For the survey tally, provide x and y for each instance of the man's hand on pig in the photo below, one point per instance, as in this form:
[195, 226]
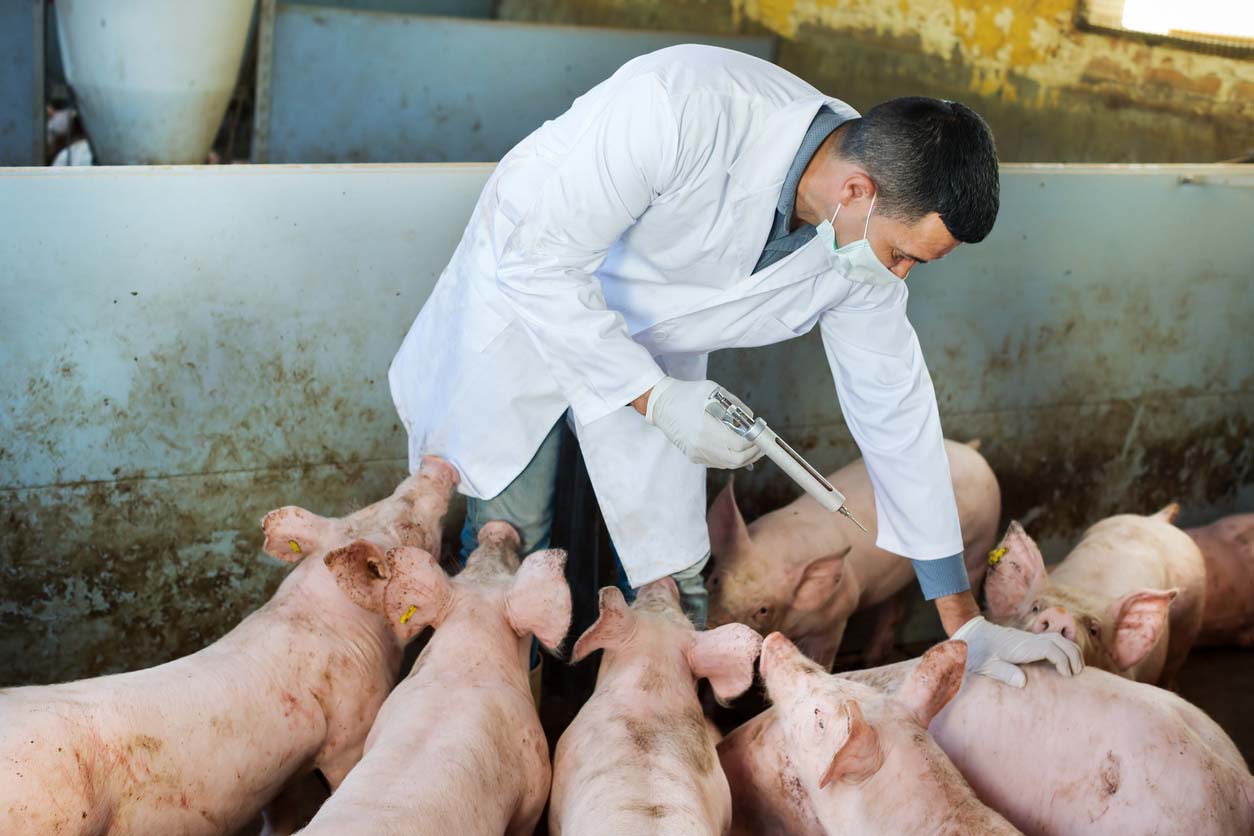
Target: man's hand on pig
[997, 651]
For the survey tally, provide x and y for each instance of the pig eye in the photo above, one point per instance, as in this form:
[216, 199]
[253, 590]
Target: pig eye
[761, 613]
[1036, 608]
[1095, 629]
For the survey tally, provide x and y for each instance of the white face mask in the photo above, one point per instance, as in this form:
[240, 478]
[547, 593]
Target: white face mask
[856, 261]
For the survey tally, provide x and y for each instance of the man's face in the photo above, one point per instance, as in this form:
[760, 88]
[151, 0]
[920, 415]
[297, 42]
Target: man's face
[899, 245]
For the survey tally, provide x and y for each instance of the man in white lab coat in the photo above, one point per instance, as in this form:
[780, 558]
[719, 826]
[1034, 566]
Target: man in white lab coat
[702, 199]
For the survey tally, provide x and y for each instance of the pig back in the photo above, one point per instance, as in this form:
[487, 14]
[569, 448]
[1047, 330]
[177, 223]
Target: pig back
[1095, 754]
[1227, 548]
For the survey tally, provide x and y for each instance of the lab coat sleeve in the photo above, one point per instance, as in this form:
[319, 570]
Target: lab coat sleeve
[601, 181]
[889, 405]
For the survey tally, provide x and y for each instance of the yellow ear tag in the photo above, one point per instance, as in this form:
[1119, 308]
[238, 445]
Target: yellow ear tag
[995, 556]
[409, 613]
[294, 546]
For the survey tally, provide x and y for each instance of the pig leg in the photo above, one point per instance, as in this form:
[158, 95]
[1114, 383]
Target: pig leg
[888, 616]
[295, 805]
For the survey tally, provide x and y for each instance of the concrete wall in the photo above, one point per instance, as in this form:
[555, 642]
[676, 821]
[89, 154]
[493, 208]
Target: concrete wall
[186, 348]
[354, 86]
[21, 82]
[1050, 90]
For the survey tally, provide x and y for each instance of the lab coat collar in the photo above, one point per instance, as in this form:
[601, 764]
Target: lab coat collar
[764, 162]
[758, 173]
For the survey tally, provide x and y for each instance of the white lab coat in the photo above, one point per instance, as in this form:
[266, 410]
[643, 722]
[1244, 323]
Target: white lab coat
[616, 244]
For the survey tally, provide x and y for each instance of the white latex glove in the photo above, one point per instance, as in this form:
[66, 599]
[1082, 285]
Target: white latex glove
[677, 408]
[998, 651]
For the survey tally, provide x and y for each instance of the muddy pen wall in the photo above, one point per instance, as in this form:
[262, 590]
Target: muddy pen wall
[187, 348]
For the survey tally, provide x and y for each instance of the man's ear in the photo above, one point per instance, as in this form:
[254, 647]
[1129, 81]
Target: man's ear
[725, 656]
[613, 626]
[292, 533]
[538, 601]
[934, 681]
[858, 754]
[819, 582]
[728, 532]
[1139, 619]
[361, 570]
[417, 594]
[1016, 574]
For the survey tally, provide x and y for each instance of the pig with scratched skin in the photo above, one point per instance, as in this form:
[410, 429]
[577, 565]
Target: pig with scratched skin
[1131, 593]
[864, 758]
[200, 744]
[639, 758]
[1228, 550]
[1092, 754]
[457, 748]
[804, 571]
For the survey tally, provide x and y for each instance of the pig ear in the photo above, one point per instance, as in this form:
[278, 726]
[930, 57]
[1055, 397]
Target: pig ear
[819, 581]
[1139, 618]
[612, 627]
[418, 592]
[934, 682]
[1016, 573]
[1169, 513]
[728, 531]
[858, 755]
[292, 533]
[725, 656]
[361, 571]
[538, 601]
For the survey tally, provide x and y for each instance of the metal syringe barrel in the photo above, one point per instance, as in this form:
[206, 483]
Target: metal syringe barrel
[778, 451]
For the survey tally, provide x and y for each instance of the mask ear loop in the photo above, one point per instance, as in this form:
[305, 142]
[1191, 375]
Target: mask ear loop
[867, 225]
[832, 220]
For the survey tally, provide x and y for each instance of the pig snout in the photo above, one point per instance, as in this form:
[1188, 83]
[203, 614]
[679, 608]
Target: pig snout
[1056, 620]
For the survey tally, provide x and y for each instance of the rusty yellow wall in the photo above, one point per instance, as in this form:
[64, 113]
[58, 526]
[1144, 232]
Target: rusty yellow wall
[1051, 91]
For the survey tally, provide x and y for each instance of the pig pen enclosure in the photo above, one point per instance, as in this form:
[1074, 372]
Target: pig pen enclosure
[188, 348]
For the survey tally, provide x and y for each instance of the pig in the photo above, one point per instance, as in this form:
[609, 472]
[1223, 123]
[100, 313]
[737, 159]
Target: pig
[1131, 593]
[863, 758]
[457, 747]
[1094, 753]
[639, 757]
[1227, 548]
[200, 744]
[804, 571]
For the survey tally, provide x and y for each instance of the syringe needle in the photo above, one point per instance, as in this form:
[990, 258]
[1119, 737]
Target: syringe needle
[844, 510]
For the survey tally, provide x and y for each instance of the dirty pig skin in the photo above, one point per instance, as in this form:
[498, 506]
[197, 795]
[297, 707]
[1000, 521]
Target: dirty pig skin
[1092, 754]
[457, 748]
[639, 758]
[1131, 593]
[864, 758]
[804, 571]
[1228, 550]
[200, 744]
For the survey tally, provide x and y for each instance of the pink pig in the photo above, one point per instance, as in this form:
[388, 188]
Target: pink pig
[1228, 550]
[639, 758]
[1092, 754]
[457, 748]
[804, 571]
[863, 758]
[1131, 593]
[200, 744]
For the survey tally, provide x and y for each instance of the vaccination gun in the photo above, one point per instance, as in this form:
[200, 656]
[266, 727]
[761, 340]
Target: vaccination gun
[777, 450]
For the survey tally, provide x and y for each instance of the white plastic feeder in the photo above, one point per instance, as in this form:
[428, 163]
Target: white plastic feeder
[152, 78]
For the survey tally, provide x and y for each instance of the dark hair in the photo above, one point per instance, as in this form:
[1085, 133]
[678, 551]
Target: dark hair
[927, 155]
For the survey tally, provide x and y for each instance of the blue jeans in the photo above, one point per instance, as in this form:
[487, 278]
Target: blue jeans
[527, 504]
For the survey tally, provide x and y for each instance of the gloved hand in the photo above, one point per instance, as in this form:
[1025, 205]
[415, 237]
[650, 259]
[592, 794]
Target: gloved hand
[997, 651]
[677, 408]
